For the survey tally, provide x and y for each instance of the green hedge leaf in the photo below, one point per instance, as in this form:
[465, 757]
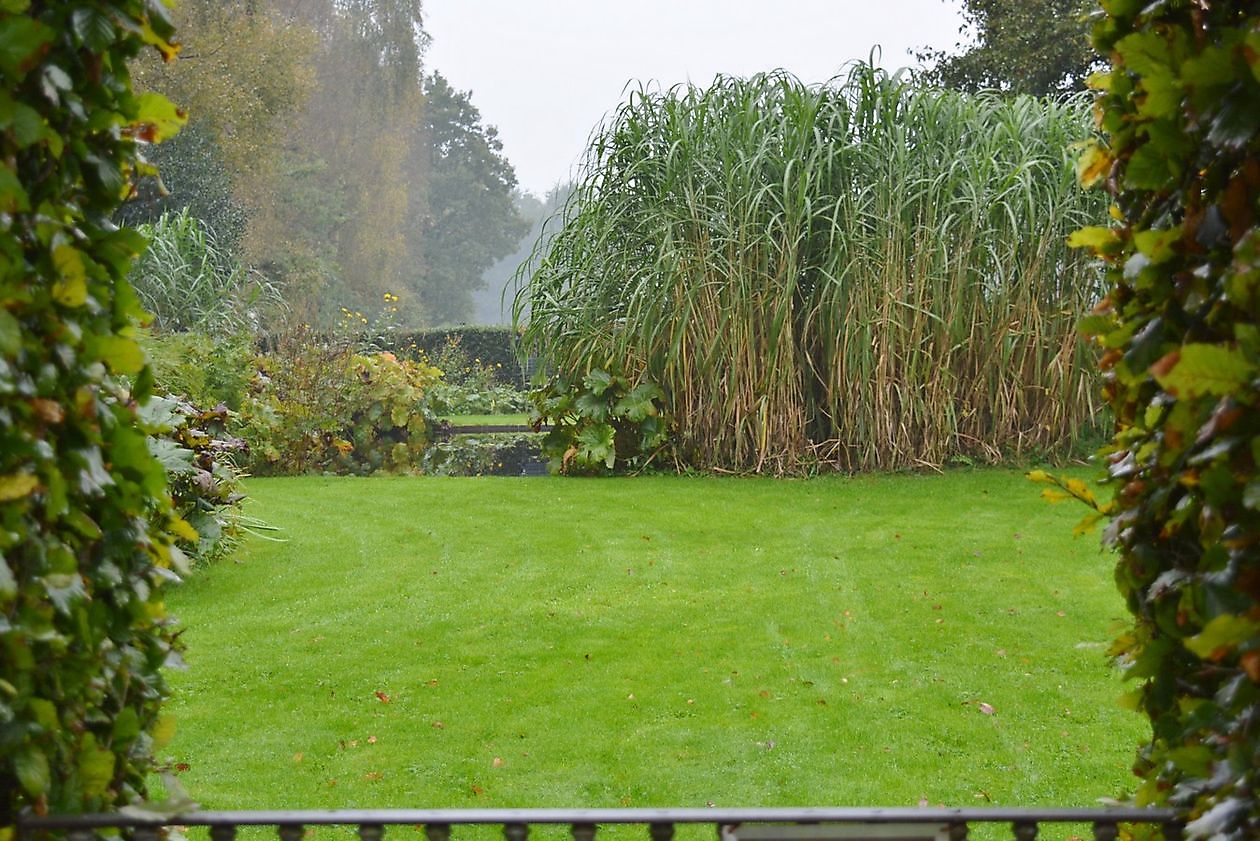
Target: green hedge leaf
[1198, 369]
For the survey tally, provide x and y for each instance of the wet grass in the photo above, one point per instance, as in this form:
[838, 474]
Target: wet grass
[654, 641]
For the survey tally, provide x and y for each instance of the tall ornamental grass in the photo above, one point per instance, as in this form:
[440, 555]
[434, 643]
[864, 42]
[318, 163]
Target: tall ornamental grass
[863, 274]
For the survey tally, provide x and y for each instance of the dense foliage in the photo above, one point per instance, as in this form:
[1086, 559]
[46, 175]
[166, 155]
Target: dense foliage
[493, 347]
[200, 456]
[319, 407]
[1036, 47]
[86, 542]
[187, 279]
[815, 275]
[1182, 373]
[472, 219]
[601, 423]
[386, 179]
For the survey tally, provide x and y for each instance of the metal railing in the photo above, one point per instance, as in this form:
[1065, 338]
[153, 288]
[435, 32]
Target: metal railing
[730, 824]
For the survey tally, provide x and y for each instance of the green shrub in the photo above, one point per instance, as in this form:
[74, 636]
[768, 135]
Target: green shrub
[476, 398]
[199, 455]
[1181, 339]
[321, 407]
[203, 369]
[85, 524]
[601, 424]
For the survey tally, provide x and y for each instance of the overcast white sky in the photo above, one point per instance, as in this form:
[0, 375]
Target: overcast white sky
[547, 71]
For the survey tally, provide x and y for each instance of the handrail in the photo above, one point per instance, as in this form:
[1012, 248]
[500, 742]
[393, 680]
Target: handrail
[1104, 820]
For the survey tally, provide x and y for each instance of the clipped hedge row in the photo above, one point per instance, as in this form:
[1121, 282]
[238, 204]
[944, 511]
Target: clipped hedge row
[1180, 328]
[493, 346]
[86, 528]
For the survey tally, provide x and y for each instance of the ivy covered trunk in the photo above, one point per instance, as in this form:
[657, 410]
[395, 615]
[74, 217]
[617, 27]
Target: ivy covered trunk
[85, 523]
[1180, 332]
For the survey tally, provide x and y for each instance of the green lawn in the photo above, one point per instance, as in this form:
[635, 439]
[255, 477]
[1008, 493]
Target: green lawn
[653, 641]
[521, 419]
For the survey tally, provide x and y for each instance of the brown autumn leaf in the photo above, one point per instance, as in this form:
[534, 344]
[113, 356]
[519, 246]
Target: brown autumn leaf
[49, 411]
[437, 725]
[1165, 363]
[1250, 662]
[373, 776]
[478, 790]
[371, 740]
[432, 683]
[497, 762]
[297, 757]
[381, 696]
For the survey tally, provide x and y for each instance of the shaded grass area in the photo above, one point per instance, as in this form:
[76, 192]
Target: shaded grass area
[654, 641]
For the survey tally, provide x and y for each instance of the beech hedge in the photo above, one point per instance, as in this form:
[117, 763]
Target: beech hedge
[86, 529]
[1180, 335]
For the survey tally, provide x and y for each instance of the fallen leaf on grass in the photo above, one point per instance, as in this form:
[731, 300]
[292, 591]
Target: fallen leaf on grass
[373, 776]
[497, 762]
[381, 696]
[478, 790]
[437, 725]
[986, 708]
[297, 757]
[371, 740]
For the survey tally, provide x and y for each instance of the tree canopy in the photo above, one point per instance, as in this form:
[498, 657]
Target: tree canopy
[1036, 47]
[473, 219]
[323, 154]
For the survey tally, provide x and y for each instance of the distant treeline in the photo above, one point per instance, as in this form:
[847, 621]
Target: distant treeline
[327, 158]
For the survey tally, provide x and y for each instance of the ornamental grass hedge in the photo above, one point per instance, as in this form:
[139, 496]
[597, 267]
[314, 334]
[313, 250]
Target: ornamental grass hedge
[859, 275]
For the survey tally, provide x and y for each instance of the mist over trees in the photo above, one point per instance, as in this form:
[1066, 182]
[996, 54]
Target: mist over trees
[493, 301]
[329, 158]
